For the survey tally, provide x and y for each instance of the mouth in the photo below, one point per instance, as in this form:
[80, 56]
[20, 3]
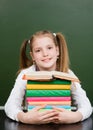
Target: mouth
[46, 60]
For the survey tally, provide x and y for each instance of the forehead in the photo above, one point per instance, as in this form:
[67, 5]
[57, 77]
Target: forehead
[39, 41]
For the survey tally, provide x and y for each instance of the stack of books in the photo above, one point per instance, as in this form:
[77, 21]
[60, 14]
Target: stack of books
[49, 89]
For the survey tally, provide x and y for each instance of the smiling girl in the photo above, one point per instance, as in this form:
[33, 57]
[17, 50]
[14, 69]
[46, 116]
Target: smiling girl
[48, 52]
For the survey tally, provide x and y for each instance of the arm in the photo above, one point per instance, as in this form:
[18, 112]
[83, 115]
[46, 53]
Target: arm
[35, 116]
[82, 101]
[14, 102]
[13, 108]
[83, 104]
[67, 117]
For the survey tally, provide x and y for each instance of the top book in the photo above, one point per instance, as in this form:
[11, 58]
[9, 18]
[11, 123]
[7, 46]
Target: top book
[49, 75]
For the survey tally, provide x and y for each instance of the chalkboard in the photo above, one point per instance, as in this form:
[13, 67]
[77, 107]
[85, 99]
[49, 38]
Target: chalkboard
[19, 19]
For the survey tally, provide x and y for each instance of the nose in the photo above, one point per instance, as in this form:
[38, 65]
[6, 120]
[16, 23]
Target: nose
[45, 53]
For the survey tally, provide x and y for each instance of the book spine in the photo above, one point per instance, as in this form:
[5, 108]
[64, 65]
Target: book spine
[56, 81]
[50, 103]
[51, 107]
[48, 93]
[47, 86]
[46, 109]
[29, 99]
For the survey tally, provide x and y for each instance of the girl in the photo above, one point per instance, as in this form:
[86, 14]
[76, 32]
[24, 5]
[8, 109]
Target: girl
[48, 52]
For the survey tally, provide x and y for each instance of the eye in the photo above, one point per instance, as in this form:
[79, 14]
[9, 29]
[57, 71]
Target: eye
[38, 50]
[49, 47]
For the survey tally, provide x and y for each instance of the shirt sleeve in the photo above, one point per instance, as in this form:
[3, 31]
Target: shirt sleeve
[14, 102]
[81, 100]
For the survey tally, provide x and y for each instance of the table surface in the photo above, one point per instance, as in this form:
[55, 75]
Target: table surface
[8, 124]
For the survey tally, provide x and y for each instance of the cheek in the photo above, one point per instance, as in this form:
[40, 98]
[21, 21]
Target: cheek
[54, 53]
[36, 56]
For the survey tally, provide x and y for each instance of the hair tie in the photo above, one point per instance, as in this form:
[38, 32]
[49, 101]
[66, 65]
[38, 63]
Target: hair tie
[54, 34]
[28, 41]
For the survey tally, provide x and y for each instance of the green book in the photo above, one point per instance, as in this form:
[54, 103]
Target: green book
[55, 81]
[47, 93]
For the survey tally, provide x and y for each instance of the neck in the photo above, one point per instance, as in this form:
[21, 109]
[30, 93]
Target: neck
[39, 69]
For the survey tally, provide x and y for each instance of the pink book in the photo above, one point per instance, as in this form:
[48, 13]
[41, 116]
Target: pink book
[31, 99]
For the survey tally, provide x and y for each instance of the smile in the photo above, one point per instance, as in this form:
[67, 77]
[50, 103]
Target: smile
[46, 60]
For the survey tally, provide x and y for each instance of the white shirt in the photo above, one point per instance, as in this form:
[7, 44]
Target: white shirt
[14, 102]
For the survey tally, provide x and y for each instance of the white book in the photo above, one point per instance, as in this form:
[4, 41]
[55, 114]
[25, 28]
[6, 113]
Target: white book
[49, 75]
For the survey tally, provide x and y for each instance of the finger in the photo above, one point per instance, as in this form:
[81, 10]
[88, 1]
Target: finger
[49, 114]
[59, 109]
[55, 121]
[37, 108]
[51, 119]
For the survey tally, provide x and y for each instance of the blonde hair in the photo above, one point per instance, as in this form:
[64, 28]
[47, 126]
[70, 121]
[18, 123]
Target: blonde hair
[58, 39]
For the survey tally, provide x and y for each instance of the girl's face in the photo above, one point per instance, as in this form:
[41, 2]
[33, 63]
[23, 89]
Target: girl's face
[44, 53]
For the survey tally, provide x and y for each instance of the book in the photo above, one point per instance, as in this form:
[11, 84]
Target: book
[54, 81]
[31, 99]
[47, 86]
[50, 103]
[48, 93]
[50, 106]
[49, 75]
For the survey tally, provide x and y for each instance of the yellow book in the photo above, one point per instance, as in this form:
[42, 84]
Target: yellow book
[47, 86]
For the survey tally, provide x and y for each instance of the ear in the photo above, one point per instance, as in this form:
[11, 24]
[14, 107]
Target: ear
[31, 54]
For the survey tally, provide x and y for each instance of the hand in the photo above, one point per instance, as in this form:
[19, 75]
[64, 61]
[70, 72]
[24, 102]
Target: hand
[36, 117]
[65, 116]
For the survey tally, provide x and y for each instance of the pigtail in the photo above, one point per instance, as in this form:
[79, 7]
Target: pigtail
[25, 61]
[63, 60]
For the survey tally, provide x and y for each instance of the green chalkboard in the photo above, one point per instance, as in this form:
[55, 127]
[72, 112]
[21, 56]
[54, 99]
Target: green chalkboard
[19, 19]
